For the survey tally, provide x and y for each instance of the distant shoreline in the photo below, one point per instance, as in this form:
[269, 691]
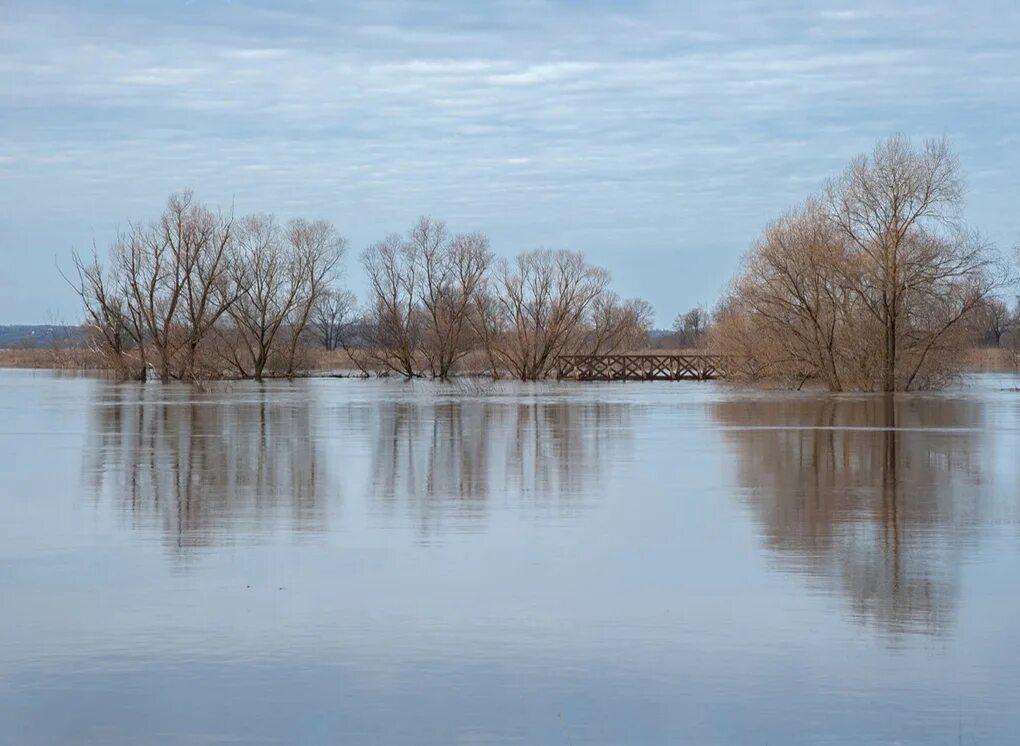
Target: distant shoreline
[337, 364]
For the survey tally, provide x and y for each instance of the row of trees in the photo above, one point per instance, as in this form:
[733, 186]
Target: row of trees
[437, 298]
[196, 292]
[873, 284]
[199, 294]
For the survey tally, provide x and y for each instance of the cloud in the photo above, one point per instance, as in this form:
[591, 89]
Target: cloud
[546, 73]
[164, 76]
[648, 130]
[255, 54]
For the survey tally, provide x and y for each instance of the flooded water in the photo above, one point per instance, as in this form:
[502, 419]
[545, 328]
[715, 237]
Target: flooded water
[347, 561]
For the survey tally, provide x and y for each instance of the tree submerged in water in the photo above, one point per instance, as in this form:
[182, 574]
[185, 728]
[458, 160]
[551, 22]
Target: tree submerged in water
[871, 285]
[197, 292]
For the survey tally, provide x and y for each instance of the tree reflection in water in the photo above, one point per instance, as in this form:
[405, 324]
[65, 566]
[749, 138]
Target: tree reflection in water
[209, 467]
[204, 465]
[449, 459]
[875, 496]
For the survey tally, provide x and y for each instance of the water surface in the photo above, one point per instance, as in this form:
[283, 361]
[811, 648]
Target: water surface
[348, 561]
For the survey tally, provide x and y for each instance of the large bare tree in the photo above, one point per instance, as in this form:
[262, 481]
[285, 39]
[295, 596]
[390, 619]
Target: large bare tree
[870, 286]
[193, 288]
[540, 308]
[270, 283]
[424, 292]
[452, 273]
[175, 281]
[793, 289]
[914, 268]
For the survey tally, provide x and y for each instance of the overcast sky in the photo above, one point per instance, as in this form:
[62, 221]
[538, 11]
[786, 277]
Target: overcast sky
[657, 137]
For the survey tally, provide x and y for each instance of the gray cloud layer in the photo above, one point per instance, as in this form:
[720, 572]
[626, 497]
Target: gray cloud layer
[656, 136]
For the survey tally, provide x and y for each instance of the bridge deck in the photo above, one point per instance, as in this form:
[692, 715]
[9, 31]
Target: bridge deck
[651, 367]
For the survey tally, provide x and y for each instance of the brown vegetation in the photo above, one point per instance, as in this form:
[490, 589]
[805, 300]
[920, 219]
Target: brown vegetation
[690, 329]
[195, 291]
[549, 303]
[53, 358]
[873, 285]
[438, 299]
[198, 294]
[424, 292]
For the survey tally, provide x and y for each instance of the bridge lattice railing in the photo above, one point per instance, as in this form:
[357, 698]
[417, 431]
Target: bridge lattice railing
[642, 367]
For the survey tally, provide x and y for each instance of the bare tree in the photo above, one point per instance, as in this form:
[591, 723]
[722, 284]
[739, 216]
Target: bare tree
[331, 315]
[111, 332]
[425, 289]
[203, 240]
[871, 287]
[317, 251]
[270, 284]
[993, 320]
[173, 274]
[690, 327]
[618, 325]
[540, 309]
[913, 267]
[396, 316]
[153, 285]
[358, 338]
[194, 288]
[792, 288]
[451, 274]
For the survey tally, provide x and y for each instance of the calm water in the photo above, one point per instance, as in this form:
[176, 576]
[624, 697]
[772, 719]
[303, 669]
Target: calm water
[336, 561]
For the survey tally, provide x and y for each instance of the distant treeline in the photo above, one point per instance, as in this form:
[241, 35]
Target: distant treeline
[40, 335]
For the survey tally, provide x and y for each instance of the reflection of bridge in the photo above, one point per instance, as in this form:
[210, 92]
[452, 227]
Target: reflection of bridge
[672, 367]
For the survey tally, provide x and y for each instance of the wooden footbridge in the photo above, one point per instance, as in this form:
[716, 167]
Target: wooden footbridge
[672, 367]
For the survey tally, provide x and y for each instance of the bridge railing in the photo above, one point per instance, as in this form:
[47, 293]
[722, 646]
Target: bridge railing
[642, 367]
